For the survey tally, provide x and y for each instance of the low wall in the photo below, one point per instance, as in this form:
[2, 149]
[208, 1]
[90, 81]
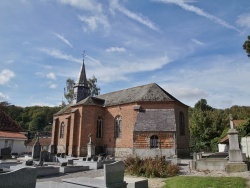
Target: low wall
[47, 171]
[144, 153]
[210, 164]
[67, 169]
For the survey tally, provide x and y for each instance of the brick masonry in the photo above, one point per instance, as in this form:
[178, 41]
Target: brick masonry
[83, 120]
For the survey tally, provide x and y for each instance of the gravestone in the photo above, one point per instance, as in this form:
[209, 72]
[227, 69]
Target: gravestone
[113, 178]
[91, 147]
[45, 156]
[36, 148]
[6, 152]
[20, 178]
[235, 163]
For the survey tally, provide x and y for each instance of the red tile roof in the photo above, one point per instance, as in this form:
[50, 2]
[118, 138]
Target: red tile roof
[13, 135]
[7, 124]
[42, 141]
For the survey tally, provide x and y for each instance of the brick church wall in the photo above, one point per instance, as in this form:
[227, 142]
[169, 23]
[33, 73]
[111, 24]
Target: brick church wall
[182, 140]
[84, 121]
[166, 147]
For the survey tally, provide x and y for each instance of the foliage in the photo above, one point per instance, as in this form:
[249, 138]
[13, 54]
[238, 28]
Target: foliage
[209, 125]
[69, 90]
[244, 128]
[246, 46]
[206, 124]
[93, 89]
[150, 167]
[204, 182]
[34, 118]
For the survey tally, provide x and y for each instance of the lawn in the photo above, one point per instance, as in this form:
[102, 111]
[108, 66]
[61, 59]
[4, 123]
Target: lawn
[205, 182]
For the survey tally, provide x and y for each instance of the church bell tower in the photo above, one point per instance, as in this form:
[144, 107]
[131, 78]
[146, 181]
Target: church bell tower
[81, 89]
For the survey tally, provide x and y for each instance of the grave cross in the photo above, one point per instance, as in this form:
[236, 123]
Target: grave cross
[231, 122]
[90, 138]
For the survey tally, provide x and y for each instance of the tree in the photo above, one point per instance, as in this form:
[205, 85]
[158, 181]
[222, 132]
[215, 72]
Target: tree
[69, 90]
[93, 89]
[206, 126]
[244, 128]
[202, 105]
[246, 46]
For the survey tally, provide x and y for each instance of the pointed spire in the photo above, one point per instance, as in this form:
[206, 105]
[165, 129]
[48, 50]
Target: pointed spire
[82, 79]
[81, 89]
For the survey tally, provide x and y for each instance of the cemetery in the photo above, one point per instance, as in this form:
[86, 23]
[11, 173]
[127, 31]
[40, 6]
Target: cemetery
[24, 171]
[27, 170]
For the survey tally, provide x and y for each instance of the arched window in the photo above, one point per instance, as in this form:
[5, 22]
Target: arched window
[154, 141]
[62, 130]
[99, 128]
[118, 127]
[182, 124]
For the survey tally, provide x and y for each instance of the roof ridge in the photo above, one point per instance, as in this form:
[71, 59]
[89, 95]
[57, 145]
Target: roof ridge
[125, 89]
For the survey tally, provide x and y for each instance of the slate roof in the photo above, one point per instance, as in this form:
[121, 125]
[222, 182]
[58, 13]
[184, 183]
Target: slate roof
[149, 92]
[156, 120]
[82, 80]
[145, 93]
[7, 124]
[12, 135]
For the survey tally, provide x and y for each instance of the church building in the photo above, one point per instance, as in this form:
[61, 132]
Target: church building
[145, 121]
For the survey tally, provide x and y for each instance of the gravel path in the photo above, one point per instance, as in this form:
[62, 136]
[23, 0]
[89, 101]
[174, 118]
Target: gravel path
[153, 182]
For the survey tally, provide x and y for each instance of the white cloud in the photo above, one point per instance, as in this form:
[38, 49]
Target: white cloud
[53, 86]
[61, 37]
[244, 20]
[115, 49]
[134, 16]
[10, 61]
[184, 5]
[94, 22]
[187, 93]
[5, 76]
[41, 104]
[84, 5]
[122, 69]
[3, 97]
[59, 55]
[197, 42]
[51, 76]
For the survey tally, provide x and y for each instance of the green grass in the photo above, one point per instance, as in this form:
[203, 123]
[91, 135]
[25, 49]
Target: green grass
[205, 182]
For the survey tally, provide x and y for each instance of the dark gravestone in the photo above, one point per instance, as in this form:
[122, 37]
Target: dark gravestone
[70, 162]
[64, 164]
[5, 152]
[45, 156]
[29, 163]
[36, 148]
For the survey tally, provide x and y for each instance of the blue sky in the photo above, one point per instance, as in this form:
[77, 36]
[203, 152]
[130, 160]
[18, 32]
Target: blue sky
[191, 48]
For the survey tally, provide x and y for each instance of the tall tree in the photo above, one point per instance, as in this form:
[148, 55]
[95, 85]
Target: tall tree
[93, 89]
[69, 90]
[246, 46]
[206, 125]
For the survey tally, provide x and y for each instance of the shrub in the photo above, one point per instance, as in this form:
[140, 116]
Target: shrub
[150, 167]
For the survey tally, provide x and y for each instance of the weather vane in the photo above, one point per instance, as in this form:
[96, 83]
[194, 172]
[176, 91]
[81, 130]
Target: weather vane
[83, 54]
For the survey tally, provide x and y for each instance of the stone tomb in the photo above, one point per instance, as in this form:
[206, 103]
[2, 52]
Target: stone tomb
[21, 178]
[113, 177]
